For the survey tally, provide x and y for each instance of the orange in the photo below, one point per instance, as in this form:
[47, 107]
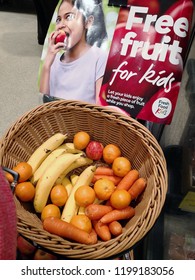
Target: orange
[50, 210]
[24, 170]
[121, 166]
[84, 196]
[9, 177]
[82, 222]
[25, 191]
[110, 152]
[81, 140]
[59, 195]
[104, 188]
[120, 199]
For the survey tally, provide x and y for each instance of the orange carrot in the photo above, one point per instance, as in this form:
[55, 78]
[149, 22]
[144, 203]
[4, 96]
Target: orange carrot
[116, 215]
[96, 211]
[103, 170]
[102, 230]
[128, 180]
[66, 230]
[115, 179]
[137, 188]
[115, 228]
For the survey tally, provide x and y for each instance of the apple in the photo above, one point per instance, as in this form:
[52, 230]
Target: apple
[94, 150]
[43, 255]
[145, 89]
[24, 246]
[115, 58]
[153, 5]
[172, 95]
[179, 10]
[123, 15]
[60, 37]
[102, 95]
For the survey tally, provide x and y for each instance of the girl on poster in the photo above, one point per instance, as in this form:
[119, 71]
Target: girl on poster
[75, 71]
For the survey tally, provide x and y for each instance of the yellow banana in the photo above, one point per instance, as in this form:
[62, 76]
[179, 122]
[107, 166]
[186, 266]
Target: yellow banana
[82, 161]
[47, 180]
[71, 208]
[45, 149]
[67, 184]
[81, 210]
[71, 148]
[74, 178]
[65, 148]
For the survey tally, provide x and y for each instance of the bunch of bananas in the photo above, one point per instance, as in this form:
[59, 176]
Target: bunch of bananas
[51, 162]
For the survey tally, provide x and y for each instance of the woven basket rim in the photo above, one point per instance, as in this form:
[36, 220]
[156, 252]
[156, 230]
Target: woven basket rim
[146, 219]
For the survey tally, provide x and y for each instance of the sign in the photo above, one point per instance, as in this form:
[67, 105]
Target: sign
[145, 63]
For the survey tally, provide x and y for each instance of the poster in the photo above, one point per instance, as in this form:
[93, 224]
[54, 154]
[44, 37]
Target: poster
[146, 59]
[76, 71]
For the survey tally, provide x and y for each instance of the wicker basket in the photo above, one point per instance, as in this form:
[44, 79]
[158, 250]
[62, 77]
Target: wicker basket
[107, 126]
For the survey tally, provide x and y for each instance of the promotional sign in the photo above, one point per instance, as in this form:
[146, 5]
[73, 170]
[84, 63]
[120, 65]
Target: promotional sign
[145, 63]
[76, 49]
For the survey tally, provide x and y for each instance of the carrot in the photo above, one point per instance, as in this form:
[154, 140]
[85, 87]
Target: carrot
[103, 170]
[128, 180]
[137, 188]
[115, 228]
[96, 211]
[115, 179]
[102, 230]
[66, 230]
[116, 215]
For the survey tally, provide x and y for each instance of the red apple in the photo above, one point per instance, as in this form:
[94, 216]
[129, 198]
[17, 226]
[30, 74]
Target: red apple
[115, 57]
[144, 89]
[94, 150]
[153, 5]
[147, 111]
[60, 37]
[123, 15]
[180, 10]
[25, 247]
[43, 255]
[102, 95]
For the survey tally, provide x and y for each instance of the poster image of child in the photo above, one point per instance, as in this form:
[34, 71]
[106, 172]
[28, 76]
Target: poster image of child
[74, 70]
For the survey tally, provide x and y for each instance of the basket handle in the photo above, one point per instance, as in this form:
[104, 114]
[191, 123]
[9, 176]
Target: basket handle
[15, 176]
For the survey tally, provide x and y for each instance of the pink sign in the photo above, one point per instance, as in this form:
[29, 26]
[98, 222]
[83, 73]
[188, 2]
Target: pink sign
[145, 63]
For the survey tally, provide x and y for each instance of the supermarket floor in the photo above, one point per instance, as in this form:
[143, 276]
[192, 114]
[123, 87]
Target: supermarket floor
[20, 56]
[19, 64]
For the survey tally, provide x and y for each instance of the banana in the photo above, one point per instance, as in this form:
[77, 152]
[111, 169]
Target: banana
[67, 184]
[65, 148]
[47, 180]
[82, 161]
[71, 148]
[45, 149]
[81, 210]
[71, 208]
[74, 178]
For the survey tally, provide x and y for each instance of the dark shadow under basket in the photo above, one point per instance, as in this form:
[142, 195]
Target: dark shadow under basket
[107, 126]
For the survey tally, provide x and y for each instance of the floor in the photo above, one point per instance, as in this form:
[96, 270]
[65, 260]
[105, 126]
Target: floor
[20, 57]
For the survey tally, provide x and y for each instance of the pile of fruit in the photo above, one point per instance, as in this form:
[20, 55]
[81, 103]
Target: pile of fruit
[81, 190]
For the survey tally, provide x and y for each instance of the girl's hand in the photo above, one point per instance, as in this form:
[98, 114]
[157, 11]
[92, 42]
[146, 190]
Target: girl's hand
[53, 48]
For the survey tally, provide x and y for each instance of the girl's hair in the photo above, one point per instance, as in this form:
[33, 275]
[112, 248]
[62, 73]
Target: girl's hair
[97, 33]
